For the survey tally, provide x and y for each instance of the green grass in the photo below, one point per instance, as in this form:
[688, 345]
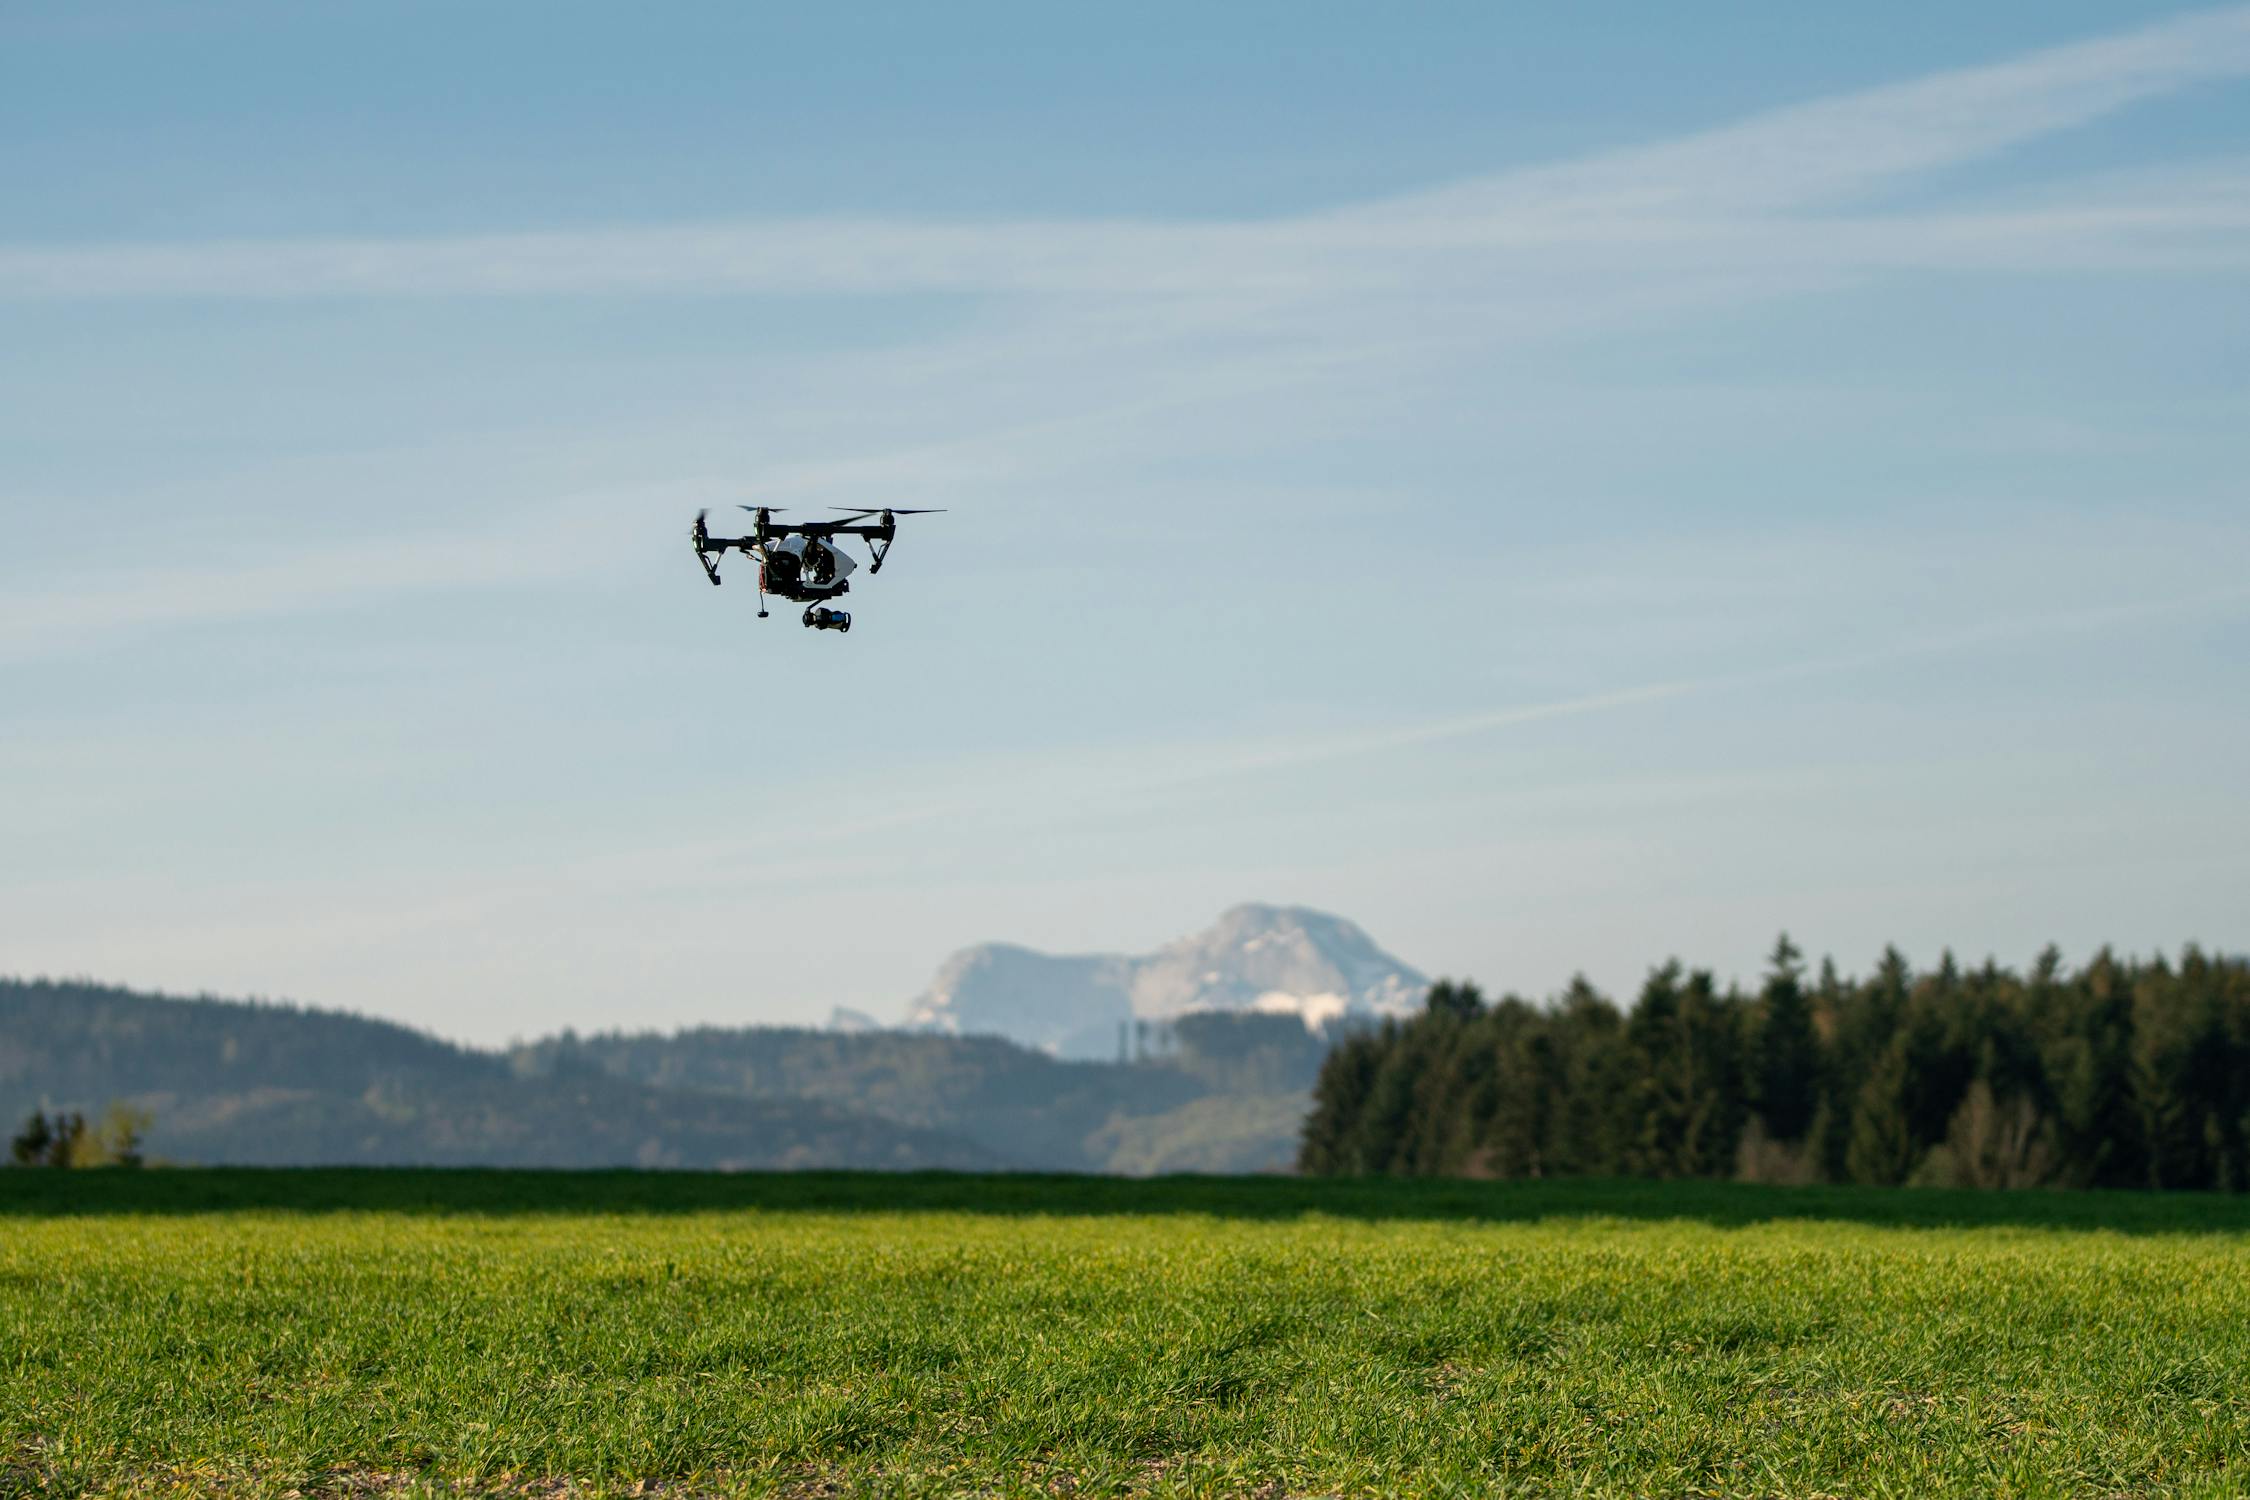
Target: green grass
[255, 1333]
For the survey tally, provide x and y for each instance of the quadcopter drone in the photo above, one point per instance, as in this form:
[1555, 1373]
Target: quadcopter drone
[801, 561]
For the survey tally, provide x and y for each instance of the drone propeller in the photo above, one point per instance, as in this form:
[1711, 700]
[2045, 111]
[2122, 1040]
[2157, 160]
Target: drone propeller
[879, 537]
[771, 510]
[701, 536]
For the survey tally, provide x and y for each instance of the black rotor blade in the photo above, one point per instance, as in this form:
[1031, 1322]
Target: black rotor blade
[771, 510]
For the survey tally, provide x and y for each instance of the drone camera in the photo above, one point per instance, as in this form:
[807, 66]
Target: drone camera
[827, 619]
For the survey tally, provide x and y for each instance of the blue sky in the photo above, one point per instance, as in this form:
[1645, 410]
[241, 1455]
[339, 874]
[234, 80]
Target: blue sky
[1561, 489]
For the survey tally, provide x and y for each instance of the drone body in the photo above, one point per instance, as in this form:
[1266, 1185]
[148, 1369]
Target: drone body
[802, 562]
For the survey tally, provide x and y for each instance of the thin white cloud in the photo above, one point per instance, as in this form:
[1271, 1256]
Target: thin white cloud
[1124, 324]
[562, 540]
[1719, 191]
[1835, 149]
[2091, 619]
[1053, 790]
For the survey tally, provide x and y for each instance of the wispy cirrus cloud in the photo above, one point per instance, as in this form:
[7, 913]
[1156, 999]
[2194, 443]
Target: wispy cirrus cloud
[1832, 150]
[561, 540]
[1050, 792]
[1748, 193]
[1103, 328]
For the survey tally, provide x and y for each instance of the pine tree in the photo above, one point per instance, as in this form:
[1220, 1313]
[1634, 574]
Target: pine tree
[1882, 1149]
[1830, 1132]
[1461, 1001]
[1383, 1140]
[1591, 1134]
[1527, 1078]
[1657, 1111]
[30, 1146]
[2100, 1122]
[1789, 1062]
[1339, 1097]
[1718, 1085]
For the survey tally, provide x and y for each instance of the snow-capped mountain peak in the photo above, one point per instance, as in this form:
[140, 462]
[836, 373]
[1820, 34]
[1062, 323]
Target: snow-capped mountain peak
[1276, 959]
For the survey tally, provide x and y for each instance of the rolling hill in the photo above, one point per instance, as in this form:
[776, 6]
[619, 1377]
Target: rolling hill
[237, 1082]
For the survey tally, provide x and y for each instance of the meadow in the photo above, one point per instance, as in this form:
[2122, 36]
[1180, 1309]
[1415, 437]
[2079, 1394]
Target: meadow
[371, 1332]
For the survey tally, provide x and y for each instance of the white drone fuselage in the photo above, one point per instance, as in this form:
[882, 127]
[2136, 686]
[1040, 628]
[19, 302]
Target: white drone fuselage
[802, 567]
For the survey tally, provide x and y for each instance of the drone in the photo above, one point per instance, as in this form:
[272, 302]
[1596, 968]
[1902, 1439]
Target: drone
[800, 561]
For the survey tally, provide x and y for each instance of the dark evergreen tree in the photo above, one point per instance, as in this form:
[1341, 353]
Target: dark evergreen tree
[2118, 1074]
[1461, 1001]
[1527, 1078]
[1829, 1135]
[1713, 1028]
[1339, 1099]
[1882, 1147]
[1591, 1132]
[55, 1140]
[1789, 1061]
[29, 1148]
[1383, 1139]
[1654, 1117]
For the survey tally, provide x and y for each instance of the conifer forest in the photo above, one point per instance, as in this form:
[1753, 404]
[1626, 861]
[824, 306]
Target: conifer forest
[2125, 1073]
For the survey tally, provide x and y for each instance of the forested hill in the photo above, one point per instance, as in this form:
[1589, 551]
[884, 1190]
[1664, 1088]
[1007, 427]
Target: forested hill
[78, 1040]
[1226, 1092]
[260, 1084]
[2120, 1073]
[236, 1082]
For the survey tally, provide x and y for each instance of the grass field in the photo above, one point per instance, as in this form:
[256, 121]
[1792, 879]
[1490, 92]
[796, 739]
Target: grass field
[349, 1332]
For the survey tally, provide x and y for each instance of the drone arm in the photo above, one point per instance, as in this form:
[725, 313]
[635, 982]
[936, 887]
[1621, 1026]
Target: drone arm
[709, 549]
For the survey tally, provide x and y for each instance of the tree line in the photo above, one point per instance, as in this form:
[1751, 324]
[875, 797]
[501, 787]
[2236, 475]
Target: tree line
[2119, 1073]
[65, 1139]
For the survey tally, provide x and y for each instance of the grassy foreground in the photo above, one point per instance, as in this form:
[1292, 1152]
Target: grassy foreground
[349, 1332]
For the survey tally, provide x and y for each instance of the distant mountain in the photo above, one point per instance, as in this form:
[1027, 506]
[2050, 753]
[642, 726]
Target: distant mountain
[1286, 960]
[1070, 1007]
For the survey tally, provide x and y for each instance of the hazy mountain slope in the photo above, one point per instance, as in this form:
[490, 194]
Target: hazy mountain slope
[1024, 1104]
[1287, 959]
[234, 1082]
[578, 1122]
[77, 1041]
[1070, 1006]
[261, 1084]
[1217, 1133]
[1284, 959]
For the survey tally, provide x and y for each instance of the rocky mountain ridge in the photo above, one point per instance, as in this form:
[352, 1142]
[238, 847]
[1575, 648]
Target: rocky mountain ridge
[1288, 960]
